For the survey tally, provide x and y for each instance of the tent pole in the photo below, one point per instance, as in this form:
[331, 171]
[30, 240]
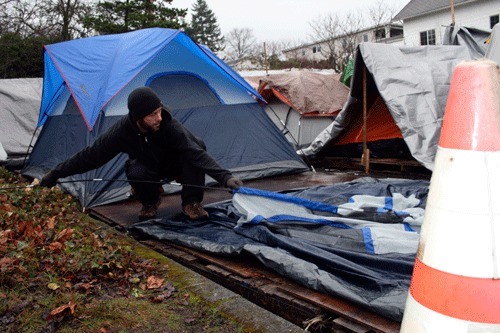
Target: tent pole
[28, 151]
[365, 158]
[285, 128]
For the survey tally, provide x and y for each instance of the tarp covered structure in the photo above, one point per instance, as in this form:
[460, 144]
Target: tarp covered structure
[474, 39]
[301, 103]
[406, 84]
[85, 89]
[19, 106]
[493, 49]
[356, 240]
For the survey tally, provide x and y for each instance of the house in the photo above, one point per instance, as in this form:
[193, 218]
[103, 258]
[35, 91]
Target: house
[244, 64]
[319, 50]
[425, 21]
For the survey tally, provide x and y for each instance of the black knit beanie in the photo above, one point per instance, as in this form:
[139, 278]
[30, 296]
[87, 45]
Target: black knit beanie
[141, 102]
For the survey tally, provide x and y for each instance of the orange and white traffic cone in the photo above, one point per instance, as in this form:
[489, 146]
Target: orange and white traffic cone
[455, 285]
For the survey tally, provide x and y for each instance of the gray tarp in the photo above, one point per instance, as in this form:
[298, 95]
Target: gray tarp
[413, 82]
[3, 154]
[328, 256]
[19, 108]
[474, 39]
[493, 49]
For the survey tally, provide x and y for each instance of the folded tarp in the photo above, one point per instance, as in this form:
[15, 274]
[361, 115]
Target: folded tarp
[356, 240]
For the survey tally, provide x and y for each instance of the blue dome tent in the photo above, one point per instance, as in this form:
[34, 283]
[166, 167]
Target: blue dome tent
[85, 89]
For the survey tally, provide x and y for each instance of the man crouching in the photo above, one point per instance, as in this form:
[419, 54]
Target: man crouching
[158, 147]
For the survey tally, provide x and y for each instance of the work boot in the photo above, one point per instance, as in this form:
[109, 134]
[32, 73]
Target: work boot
[194, 211]
[149, 211]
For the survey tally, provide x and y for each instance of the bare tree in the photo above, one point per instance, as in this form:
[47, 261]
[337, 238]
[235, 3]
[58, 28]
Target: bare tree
[240, 43]
[271, 55]
[24, 18]
[5, 22]
[46, 18]
[380, 13]
[337, 37]
[67, 12]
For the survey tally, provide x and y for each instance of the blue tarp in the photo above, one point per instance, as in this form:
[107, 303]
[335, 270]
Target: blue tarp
[360, 249]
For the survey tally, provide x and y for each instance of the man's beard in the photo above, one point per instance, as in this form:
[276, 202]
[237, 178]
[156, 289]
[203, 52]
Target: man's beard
[148, 128]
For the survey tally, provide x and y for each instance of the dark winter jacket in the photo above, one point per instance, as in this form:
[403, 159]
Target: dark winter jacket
[171, 142]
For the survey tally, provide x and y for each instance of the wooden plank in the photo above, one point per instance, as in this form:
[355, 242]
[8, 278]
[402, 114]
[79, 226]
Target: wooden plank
[219, 270]
[347, 310]
[395, 161]
[234, 267]
[276, 289]
[344, 325]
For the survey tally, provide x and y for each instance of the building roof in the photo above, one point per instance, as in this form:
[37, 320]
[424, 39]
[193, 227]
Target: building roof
[385, 25]
[422, 7]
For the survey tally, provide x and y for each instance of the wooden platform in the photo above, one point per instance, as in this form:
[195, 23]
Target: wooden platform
[246, 276]
[375, 165]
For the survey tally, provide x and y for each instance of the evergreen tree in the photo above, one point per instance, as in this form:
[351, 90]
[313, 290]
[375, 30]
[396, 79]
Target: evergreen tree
[128, 15]
[22, 56]
[204, 28]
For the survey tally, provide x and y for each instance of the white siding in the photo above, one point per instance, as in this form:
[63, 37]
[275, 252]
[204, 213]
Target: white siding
[306, 51]
[476, 15]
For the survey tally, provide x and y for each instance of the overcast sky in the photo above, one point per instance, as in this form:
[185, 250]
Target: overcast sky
[275, 20]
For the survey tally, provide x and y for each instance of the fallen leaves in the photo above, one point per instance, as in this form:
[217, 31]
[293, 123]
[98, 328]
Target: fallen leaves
[43, 244]
[155, 282]
[7, 263]
[64, 235]
[53, 286]
[60, 312]
[166, 292]
[55, 247]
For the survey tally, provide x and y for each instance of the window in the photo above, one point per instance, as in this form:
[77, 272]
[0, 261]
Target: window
[493, 20]
[316, 49]
[396, 32]
[380, 33]
[303, 52]
[428, 37]
[365, 37]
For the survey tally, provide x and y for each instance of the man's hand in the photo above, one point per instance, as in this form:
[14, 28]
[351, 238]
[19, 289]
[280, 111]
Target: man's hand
[49, 179]
[234, 183]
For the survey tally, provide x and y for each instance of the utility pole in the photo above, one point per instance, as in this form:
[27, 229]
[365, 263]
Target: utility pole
[265, 58]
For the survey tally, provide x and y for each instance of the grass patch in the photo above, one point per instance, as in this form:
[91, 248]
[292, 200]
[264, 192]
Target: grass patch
[62, 271]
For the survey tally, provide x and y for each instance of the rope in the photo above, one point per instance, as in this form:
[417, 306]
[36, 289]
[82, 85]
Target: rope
[161, 182]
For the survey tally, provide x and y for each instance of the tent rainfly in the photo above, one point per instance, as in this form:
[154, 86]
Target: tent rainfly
[85, 89]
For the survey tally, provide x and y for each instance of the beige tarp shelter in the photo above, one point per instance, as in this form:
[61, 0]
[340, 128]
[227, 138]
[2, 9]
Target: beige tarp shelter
[301, 103]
